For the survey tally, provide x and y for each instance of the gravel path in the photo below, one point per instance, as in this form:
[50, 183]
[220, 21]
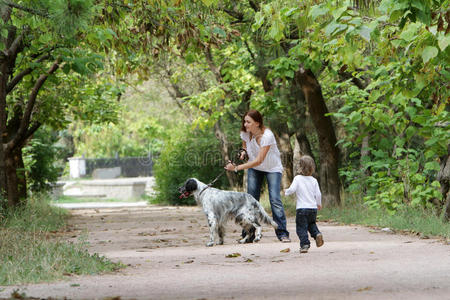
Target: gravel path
[164, 248]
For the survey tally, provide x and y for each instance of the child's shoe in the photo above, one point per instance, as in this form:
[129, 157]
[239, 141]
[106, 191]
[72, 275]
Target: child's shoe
[319, 240]
[304, 249]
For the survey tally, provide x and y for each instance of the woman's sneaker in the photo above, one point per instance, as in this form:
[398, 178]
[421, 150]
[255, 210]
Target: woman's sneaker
[319, 240]
[304, 249]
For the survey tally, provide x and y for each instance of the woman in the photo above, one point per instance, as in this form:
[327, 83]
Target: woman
[264, 161]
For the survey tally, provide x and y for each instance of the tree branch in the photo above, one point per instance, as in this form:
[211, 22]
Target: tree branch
[253, 5]
[26, 9]
[235, 14]
[212, 66]
[22, 74]
[21, 133]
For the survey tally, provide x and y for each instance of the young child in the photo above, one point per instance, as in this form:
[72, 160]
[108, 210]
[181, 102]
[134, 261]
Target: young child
[309, 199]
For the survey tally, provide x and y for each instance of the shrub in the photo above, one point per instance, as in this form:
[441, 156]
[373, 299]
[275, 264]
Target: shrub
[187, 153]
[40, 157]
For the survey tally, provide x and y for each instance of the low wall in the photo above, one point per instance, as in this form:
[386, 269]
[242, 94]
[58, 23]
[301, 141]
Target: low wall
[121, 188]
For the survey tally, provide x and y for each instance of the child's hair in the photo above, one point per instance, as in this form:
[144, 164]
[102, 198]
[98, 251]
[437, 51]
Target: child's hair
[306, 165]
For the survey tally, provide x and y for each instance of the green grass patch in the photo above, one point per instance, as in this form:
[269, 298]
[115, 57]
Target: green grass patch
[409, 219]
[30, 252]
[69, 199]
[354, 211]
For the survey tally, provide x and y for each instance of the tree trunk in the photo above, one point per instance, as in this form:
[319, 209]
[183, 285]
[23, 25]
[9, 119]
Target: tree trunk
[329, 153]
[301, 147]
[224, 146]
[301, 144]
[12, 183]
[284, 143]
[444, 180]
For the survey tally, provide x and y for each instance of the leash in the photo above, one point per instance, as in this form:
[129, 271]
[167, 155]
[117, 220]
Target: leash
[223, 172]
[212, 182]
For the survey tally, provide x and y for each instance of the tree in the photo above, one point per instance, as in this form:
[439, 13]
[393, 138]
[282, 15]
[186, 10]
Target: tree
[38, 39]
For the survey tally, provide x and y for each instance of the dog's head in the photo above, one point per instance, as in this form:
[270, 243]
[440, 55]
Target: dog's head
[188, 188]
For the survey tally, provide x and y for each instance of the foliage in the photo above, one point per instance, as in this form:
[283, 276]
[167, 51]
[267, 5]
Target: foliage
[383, 69]
[139, 129]
[402, 109]
[187, 153]
[388, 69]
[48, 75]
[40, 158]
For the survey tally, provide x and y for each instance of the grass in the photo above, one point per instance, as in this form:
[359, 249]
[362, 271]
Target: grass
[351, 211]
[68, 199]
[406, 219]
[30, 251]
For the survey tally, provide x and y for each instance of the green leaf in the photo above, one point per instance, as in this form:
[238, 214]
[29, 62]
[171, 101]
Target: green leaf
[219, 31]
[334, 27]
[259, 20]
[410, 131]
[443, 41]
[318, 10]
[432, 165]
[276, 30]
[428, 53]
[364, 32]
[209, 2]
[409, 32]
[338, 12]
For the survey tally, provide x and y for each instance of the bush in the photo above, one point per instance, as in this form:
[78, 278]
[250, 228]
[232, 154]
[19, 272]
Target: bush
[40, 157]
[187, 153]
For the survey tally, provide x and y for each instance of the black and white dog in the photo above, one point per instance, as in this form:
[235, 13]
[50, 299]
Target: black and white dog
[219, 206]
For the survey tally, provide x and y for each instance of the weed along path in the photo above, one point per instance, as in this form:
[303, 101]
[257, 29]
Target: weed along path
[166, 258]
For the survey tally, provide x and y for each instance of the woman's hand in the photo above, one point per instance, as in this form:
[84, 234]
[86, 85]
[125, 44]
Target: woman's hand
[229, 166]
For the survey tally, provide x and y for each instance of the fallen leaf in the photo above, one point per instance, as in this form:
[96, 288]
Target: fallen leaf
[286, 250]
[277, 261]
[233, 255]
[74, 285]
[189, 262]
[367, 288]
[248, 260]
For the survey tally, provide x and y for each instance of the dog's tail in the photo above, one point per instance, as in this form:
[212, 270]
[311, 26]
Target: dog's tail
[263, 216]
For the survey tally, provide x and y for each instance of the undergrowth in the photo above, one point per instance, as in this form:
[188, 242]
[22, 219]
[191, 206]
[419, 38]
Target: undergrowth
[354, 211]
[31, 252]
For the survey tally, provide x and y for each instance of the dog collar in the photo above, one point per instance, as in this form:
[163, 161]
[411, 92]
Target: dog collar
[204, 190]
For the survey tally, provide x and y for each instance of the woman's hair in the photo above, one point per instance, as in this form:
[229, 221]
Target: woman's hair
[306, 165]
[256, 116]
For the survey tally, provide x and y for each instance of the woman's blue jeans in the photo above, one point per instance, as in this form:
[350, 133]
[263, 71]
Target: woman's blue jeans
[255, 180]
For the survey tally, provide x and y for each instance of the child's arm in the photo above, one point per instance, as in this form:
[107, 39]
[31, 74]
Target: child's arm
[318, 197]
[291, 190]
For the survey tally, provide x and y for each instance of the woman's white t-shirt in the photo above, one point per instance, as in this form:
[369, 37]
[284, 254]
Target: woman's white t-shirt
[272, 161]
[307, 191]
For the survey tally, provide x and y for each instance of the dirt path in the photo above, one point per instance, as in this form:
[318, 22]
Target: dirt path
[166, 257]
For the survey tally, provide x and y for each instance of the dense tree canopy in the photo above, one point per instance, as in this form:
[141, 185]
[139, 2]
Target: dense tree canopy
[362, 86]
[44, 78]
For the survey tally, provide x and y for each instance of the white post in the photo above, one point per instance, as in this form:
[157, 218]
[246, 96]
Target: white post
[77, 167]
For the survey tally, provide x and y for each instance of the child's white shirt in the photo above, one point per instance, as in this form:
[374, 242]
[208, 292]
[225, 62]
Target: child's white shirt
[307, 191]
